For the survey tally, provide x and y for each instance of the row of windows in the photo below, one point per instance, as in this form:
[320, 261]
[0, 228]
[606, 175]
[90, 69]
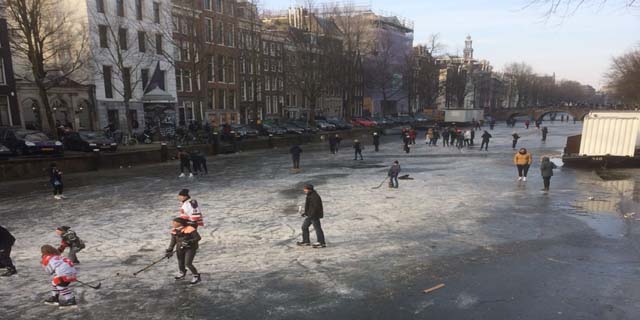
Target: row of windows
[273, 83]
[221, 99]
[274, 103]
[107, 74]
[123, 39]
[219, 36]
[3, 79]
[121, 9]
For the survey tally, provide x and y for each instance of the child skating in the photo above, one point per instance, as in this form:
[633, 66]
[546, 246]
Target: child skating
[63, 273]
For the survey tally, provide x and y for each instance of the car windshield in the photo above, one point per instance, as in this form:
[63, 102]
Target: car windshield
[92, 135]
[32, 136]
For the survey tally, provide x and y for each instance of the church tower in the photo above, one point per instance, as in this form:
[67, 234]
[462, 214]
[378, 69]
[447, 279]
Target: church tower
[468, 49]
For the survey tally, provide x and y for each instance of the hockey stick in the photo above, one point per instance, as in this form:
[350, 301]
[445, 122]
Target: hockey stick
[151, 265]
[383, 181]
[96, 287]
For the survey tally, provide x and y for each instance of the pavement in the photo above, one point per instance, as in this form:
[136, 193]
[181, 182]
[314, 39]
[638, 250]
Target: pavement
[503, 249]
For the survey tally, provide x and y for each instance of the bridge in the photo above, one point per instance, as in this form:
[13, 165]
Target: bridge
[538, 113]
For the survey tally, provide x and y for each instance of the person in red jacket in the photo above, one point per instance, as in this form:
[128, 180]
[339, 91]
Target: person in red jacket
[63, 273]
[189, 209]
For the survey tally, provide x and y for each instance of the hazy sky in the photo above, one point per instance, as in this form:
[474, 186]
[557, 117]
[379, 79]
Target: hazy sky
[578, 47]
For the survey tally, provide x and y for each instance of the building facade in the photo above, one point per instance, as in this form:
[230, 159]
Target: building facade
[9, 110]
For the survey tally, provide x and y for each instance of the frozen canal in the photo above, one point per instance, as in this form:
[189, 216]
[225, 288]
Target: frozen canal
[504, 249]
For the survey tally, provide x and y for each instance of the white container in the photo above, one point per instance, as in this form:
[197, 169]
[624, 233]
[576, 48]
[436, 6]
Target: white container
[463, 115]
[610, 133]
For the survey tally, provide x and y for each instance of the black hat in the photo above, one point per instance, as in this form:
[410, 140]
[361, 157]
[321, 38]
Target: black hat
[308, 186]
[181, 221]
[184, 192]
[63, 228]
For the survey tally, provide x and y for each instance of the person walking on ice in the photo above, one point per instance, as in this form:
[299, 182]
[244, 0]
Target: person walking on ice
[63, 272]
[523, 161]
[376, 141]
[295, 151]
[393, 174]
[69, 240]
[486, 137]
[313, 212]
[546, 170]
[357, 147]
[55, 178]
[514, 143]
[184, 238]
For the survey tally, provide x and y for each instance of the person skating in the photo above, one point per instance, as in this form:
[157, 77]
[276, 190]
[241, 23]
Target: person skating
[70, 240]
[526, 124]
[333, 144]
[338, 141]
[185, 162]
[473, 136]
[428, 137]
[313, 212]
[357, 147]
[189, 209]
[445, 137]
[412, 135]
[63, 272]
[184, 238]
[546, 170]
[376, 141]
[7, 240]
[199, 162]
[393, 174]
[545, 131]
[436, 137]
[295, 152]
[522, 160]
[486, 137]
[467, 138]
[55, 178]
[514, 141]
[406, 141]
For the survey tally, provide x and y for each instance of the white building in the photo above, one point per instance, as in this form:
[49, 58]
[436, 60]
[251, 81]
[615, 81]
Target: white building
[131, 54]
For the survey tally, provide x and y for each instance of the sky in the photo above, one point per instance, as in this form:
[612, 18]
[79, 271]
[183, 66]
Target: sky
[578, 47]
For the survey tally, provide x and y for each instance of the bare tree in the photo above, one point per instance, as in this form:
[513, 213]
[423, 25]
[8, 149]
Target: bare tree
[382, 72]
[624, 77]
[52, 45]
[422, 74]
[251, 56]
[522, 76]
[568, 7]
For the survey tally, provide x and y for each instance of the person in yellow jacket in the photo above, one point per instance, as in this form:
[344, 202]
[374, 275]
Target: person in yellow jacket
[522, 160]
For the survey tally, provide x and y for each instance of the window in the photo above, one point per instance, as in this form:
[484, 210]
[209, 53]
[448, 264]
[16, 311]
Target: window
[178, 80]
[126, 82]
[279, 66]
[3, 79]
[210, 96]
[186, 80]
[100, 5]
[142, 41]
[229, 40]
[220, 69]
[139, 9]
[5, 119]
[120, 8]
[220, 33]
[207, 4]
[144, 77]
[158, 43]
[273, 49]
[104, 38]
[184, 51]
[211, 68]
[108, 89]
[231, 102]
[209, 29]
[243, 91]
[219, 6]
[230, 73]
[221, 99]
[122, 38]
[267, 83]
[268, 103]
[266, 65]
[156, 12]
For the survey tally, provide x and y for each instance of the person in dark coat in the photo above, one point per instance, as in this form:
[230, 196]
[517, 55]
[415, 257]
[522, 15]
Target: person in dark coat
[545, 131]
[199, 162]
[70, 240]
[516, 137]
[546, 170]
[184, 238]
[473, 136]
[313, 212]
[333, 144]
[295, 151]
[6, 242]
[445, 137]
[376, 141]
[393, 174]
[55, 178]
[357, 147]
[407, 142]
[185, 162]
[486, 136]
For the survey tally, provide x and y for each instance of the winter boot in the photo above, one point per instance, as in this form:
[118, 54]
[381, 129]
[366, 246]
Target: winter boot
[303, 244]
[181, 175]
[68, 303]
[180, 276]
[524, 179]
[195, 279]
[318, 245]
[190, 175]
[52, 301]
[57, 197]
[9, 272]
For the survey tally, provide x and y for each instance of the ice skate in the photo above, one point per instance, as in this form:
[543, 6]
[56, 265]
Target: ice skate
[180, 276]
[71, 303]
[318, 245]
[195, 279]
[524, 179]
[519, 178]
[8, 273]
[303, 244]
[57, 197]
[181, 175]
[190, 175]
[52, 301]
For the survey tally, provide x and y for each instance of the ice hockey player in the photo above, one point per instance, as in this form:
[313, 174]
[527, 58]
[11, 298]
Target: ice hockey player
[189, 209]
[69, 240]
[185, 239]
[63, 274]
[313, 212]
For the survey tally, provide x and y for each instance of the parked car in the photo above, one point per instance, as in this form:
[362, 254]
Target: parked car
[5, 152]
[21, 141]
[381, 121]
[245, 131]
[88, 141]
[292, 128]
[405, 119]
[394, 120]
[363, 122]
[340, 124]
[268, 129]
[421, 117]
[305, 126]
[325, 126]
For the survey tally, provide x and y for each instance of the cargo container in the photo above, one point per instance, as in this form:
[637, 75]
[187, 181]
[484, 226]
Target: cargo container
[608, 139]
[461, 116]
